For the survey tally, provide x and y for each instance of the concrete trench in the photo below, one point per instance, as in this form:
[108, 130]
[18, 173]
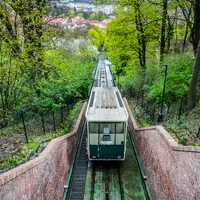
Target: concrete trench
[172, 170]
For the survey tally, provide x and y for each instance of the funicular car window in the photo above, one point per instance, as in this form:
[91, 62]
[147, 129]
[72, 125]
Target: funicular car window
[106, 138]
[107, 127]
[93, 127]
[120, 127]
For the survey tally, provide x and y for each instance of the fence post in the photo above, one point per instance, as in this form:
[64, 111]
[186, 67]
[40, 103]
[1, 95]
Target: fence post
[154, 109]
[54, 123]
[142, 102]
[138, 97]
[184, 106]
[198, 133]
[168, 106]
[147, 106]
[179, 113]
[24, 125]
[61, 115]
[43, 126]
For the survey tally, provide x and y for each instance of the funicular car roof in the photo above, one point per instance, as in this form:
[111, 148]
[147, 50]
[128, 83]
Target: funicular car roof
[105, 104]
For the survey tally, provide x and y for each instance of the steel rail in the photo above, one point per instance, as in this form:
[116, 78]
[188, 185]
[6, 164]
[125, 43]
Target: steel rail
[120, 182]
[107, 180]
[93, 181]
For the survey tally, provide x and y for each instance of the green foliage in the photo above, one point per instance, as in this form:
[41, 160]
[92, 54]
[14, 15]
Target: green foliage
[80, 14]
[92, 16]
[46, 74]
[31, 145]
[198, 144]
[69, 122]
[142, 119]
[71, 13]
[178, 76]
[68, 81]
[42, 69]
[12, 161]
[97, 36]
[65, 80]
[37, 143]
[97, 16]
[123, 44]
[197, 111]
[134, 36]
[123, 35]
[183, 140]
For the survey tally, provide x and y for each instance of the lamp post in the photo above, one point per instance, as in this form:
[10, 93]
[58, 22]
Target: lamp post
[160, 115]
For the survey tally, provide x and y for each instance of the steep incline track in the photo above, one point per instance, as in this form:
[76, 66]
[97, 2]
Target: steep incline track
[117, 180]
[106, 177]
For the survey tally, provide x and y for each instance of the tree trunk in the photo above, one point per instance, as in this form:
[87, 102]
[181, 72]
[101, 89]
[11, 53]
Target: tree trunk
[163, 30]
[185, 37]
[141, 35]
[196, 25]
[169, 34]
[192, 95]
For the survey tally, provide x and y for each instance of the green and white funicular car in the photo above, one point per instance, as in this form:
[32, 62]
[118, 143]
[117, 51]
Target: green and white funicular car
[107, 118]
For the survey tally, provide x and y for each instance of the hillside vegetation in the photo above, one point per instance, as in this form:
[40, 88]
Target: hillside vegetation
[45, 72]
[155, 52]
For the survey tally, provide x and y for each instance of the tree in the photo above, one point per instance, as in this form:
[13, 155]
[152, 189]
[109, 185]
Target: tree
[163, 29]
[9, 28]
[192, 95]
[196, 27]
[97, 36]
[71, 13]
[92, 16]
[80, 14]
[97, 16]
[100, 16]
[133, 36]
[21, 48]
[140, 34]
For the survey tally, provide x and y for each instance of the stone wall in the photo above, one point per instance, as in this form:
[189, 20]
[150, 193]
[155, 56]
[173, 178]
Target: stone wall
[45, 176]
[173, 171]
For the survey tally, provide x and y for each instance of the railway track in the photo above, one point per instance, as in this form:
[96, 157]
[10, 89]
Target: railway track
[118, 180]
[106, 181]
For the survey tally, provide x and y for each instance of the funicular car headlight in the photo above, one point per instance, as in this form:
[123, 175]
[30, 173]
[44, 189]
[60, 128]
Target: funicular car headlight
[119, 157]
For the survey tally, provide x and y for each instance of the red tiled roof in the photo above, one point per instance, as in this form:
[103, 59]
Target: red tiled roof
[55, 20]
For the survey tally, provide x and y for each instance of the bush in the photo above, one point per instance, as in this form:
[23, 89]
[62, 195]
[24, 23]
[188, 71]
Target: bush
[183, 140]
[178, 77]
[197, 111]
[12, 161]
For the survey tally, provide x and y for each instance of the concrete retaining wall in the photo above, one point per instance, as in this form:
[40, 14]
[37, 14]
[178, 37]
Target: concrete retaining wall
[173, 171]
[45, 176]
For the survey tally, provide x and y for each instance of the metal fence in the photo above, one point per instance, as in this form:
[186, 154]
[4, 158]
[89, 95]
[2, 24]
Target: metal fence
[34, 123]
[152, 106]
